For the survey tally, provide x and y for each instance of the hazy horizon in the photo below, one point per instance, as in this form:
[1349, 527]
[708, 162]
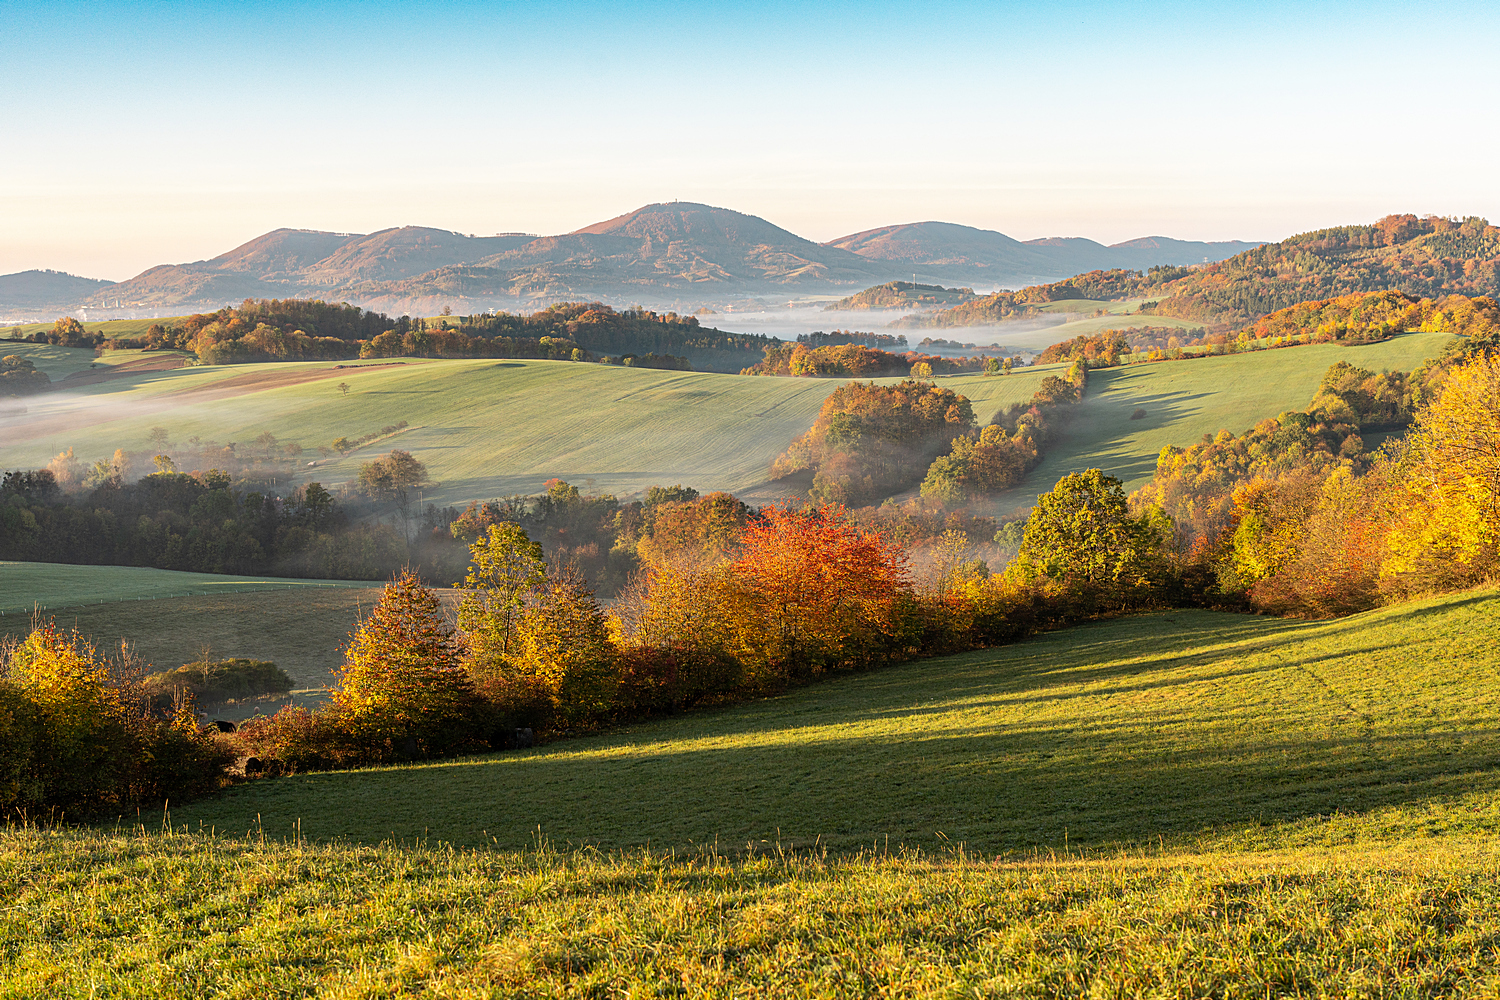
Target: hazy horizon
[145, 134]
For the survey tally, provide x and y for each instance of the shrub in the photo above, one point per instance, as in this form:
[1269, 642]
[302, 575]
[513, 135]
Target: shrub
[78, 734]
[657, 680]
[212, 681]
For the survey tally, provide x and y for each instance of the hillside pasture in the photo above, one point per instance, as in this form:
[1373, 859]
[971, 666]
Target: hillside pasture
[494, 428]
[1185, 730]
[1185, 400]
[484, 428]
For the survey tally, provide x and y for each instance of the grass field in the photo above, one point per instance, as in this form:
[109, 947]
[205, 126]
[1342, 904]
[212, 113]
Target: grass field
[1185, 400]
[488, 428]
[120, 914]
[484, 428]
[1188, 729]
[24, 585]
[1177, 805]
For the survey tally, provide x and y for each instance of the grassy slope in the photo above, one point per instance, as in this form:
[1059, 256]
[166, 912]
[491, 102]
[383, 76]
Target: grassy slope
[59, 585]
[57, 362]
[145, 915]
[1190, 729]
[1185, 400]
[487, 428]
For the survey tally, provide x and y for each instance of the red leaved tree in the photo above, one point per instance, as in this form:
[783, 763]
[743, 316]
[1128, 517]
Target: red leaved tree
[823, 591]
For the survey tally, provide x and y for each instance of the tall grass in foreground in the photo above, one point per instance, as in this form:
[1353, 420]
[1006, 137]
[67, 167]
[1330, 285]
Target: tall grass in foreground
[172, 914]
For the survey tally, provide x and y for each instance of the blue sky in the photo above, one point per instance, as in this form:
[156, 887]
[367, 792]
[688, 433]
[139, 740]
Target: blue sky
[136, 134]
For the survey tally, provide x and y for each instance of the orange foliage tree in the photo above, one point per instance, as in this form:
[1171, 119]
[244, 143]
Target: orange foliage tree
[823, 591]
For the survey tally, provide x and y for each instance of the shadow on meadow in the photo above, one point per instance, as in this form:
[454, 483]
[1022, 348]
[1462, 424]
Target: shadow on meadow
[1165, 726]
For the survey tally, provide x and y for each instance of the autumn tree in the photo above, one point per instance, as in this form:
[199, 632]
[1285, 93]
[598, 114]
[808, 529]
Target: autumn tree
[1447, 529]
[506, 568]
[1083, 533]
[564, 649]
[821, 590]
[392, 479]
[403, 690]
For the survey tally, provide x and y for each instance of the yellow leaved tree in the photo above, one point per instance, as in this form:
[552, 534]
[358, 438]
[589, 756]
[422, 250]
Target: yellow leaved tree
[1447, 519]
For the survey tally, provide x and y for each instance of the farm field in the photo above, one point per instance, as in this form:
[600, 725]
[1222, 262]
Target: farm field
[484, 428]
[493, 428]
[1184, 730]
[1185, 400]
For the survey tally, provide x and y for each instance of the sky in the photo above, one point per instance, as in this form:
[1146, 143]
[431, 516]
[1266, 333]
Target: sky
[134, 134]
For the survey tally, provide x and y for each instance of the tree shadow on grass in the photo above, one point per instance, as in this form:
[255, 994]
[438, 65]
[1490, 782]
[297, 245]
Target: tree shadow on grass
[1010, 788]
[895, 754]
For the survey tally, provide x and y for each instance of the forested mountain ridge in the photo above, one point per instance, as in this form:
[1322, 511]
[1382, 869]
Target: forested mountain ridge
[951, 252]
[286, 262]
[1423, 257]
[29, 289]
[1427, 257]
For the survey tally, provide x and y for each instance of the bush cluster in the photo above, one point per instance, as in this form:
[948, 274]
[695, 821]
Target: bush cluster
[750, 605]
[79, 733]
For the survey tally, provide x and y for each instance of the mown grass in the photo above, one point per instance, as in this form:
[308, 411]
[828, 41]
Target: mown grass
[143, 914]
[50, 586]
[484, 428]
[1186, 729]
[493, 428]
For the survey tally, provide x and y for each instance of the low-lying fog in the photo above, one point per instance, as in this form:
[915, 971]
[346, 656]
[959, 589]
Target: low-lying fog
[790, 321]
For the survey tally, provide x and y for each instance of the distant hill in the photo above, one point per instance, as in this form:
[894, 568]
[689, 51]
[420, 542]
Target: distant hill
[393, 254]
[296, 263]
[27, 290]
[948, 252]
[676, 254]
[903, 295]
[1424, 257]
[682, 244]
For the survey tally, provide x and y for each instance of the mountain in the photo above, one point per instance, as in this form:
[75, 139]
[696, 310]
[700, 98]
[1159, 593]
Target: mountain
[676, 255]
[393, 254]
[678, 244]
[301, 262]
[953, 252]
[949, 252]
[26, 290]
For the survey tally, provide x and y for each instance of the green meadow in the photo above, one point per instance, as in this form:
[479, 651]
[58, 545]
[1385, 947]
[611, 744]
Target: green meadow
[484, 428]
[493, 428]
[1179, 804]
[25, 585]
[1189, 730]
[1184, 400]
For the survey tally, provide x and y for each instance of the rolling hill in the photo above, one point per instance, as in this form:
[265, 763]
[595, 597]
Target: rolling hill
[674, 255]
[488, 428]
[27, 290]
[1187, 728]
[1430, 257]
[956, 253]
